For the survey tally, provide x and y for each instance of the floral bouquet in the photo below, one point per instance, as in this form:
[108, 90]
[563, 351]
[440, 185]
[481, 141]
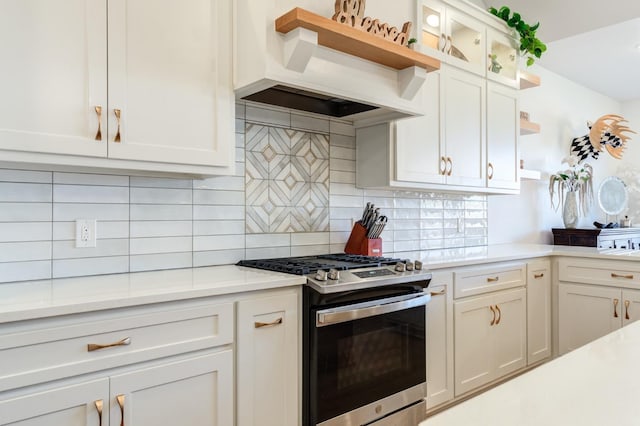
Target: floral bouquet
[577, 178]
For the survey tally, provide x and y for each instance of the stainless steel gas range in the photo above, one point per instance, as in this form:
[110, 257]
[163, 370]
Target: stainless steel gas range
[364, 350]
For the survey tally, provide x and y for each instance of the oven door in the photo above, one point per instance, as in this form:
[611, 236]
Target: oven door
[367, 359]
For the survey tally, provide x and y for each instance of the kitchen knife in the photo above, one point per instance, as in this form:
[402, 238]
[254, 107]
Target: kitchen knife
[365, 213]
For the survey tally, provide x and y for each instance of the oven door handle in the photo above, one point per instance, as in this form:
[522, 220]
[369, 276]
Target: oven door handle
[368, 309]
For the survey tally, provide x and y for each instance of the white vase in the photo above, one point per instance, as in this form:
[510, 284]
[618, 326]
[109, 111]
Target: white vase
[570, 214]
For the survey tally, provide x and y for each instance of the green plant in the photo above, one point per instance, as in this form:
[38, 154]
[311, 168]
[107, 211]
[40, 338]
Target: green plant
[530, 45]
[411, 41]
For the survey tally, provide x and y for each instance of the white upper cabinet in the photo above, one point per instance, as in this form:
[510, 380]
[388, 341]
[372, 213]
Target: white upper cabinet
[502, 58]
[451, 35]
[170, 78]
[502, 137]
[53, 76]
[135, 84]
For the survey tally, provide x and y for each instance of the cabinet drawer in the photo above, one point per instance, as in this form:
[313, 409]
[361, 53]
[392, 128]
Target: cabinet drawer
[48, 350]
[469, 282]
[612, 273]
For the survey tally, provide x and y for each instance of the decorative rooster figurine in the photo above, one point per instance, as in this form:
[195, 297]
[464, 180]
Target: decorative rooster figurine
[608, 131]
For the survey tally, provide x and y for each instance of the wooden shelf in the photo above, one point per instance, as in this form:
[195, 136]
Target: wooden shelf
[530, 174]
[528, 80]
[355, 42]
[528, 128]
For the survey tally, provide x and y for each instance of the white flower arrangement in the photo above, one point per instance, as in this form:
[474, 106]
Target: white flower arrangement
[577, 178]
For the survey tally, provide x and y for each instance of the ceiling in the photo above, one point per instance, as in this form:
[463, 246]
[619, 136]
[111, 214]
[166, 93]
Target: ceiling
[591, 42]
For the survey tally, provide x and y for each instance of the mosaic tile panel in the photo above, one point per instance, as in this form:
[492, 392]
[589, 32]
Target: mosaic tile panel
[287, 180]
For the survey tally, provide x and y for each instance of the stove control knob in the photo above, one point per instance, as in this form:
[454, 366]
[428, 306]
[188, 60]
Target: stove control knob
[333, 274]
[409, 266]
[418, 265]
[321, 275]
[400, 267]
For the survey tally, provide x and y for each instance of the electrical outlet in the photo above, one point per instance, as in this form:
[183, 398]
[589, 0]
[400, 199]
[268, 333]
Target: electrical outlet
[86, 230]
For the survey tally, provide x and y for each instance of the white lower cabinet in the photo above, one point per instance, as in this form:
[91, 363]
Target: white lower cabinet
[162, 365]
[588, 312]
[268, 361]
[490, 338]
[69, 404]
[196, 391]
[440, 340]
[538, 311]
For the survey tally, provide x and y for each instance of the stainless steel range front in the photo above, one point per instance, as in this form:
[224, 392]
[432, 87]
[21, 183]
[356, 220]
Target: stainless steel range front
[364, 348]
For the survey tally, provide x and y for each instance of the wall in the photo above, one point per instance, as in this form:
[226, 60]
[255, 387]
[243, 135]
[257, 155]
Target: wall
[562, 109]
[293, 194]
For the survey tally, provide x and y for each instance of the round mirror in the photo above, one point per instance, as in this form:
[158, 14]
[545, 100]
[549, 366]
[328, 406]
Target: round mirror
[612, 195]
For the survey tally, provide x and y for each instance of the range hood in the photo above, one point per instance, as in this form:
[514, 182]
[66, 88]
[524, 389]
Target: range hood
[298, 59]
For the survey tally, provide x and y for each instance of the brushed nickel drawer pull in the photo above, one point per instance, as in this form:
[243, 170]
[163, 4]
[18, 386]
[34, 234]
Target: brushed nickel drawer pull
[95, 347]
[628, 277]
[439, 293]
[536, 276]
[492, 279]
[615, 308]
[267, 324]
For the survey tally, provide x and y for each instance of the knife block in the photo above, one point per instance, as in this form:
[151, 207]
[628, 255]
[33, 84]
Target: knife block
[358, 242]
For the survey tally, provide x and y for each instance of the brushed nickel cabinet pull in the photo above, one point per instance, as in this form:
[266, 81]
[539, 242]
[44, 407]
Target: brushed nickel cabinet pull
[499, 314]
[98, 110]
[628, 276]
[95, 347]
[117, 113]
[439, 293]
[615, 308]
[626, 309]
[99, 404]
[120, 399]
[490, 168]
[536, 276]
[492, 279]
[493, 320]
[443, 166]
[267, 324]
[450, 162]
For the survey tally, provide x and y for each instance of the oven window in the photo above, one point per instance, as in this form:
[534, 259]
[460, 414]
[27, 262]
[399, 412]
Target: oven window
[362, 361]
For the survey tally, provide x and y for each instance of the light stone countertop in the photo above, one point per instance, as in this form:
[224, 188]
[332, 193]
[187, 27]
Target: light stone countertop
[594, 385]
[43, 298]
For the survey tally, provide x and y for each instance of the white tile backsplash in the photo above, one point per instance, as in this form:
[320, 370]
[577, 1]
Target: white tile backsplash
[151, 223]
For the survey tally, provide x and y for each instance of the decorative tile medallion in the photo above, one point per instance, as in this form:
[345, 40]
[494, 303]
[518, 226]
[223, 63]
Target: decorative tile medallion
[287, 180]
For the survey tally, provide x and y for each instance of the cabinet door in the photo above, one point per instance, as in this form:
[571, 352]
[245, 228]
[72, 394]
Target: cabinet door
[76, 404]
[464, 128]
[586, 313]
[170, 78]
[631, 306]
[466, 45]
[440, 340]
[510, 331]
[502, 58]
[474, 363]
[268, 361]
[538, 311]
[53, 75]
[432, 38]
[196, 391]
[419, 146]
[502, 136]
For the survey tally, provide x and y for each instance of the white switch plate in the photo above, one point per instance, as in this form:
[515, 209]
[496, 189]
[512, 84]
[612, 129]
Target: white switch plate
[86, 230]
